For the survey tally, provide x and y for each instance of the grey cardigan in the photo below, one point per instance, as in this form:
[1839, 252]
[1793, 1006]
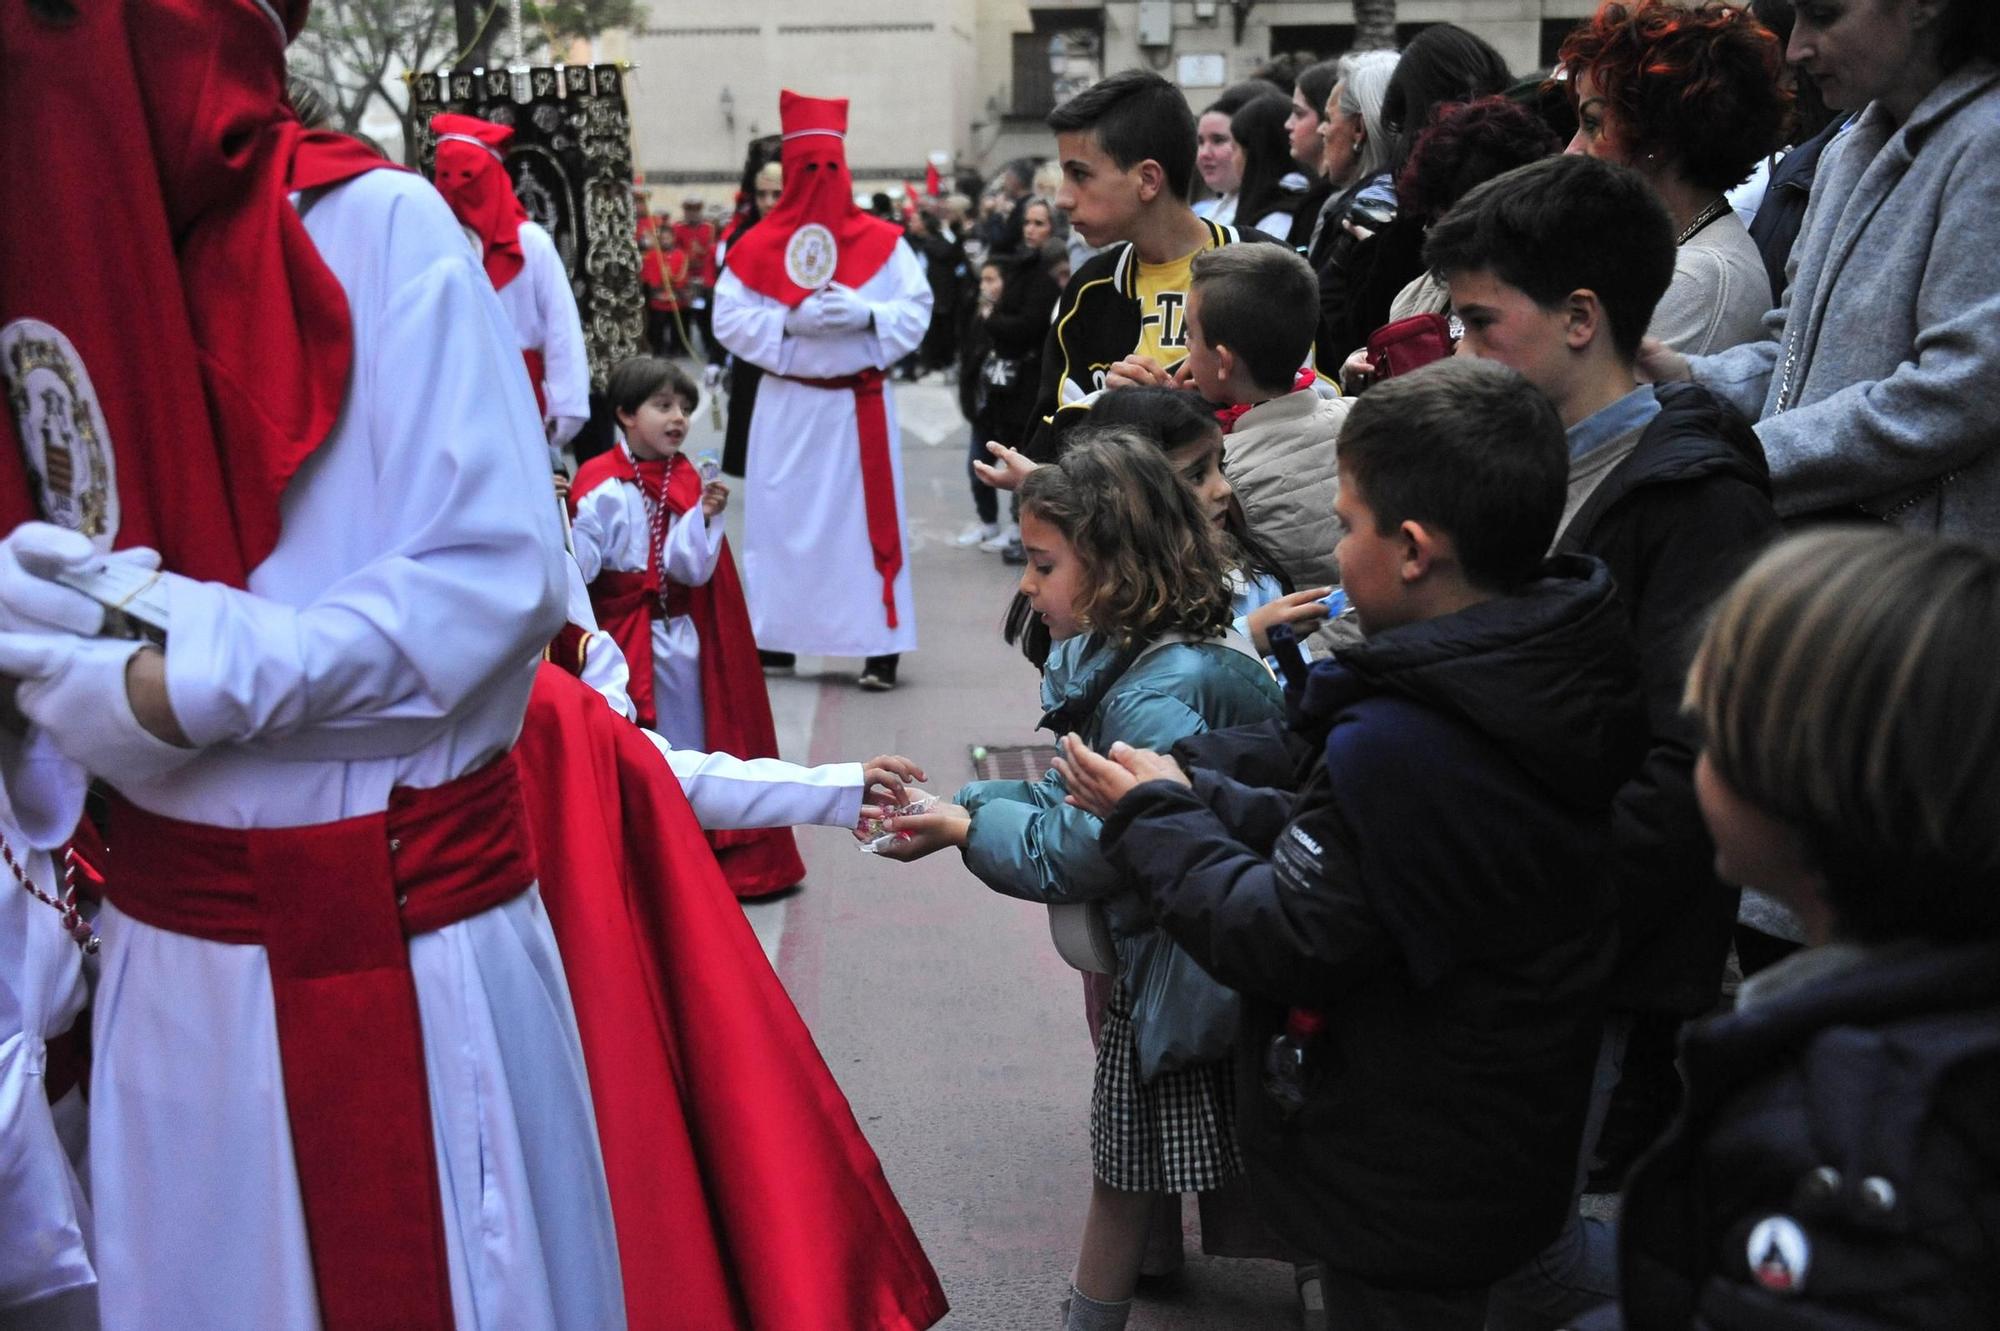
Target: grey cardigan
[1883, 386]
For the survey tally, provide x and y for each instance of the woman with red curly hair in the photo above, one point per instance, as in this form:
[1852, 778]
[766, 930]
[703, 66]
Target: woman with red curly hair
[1691, 97]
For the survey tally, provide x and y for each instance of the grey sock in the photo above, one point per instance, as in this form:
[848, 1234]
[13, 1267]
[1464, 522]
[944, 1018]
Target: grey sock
[1083, 1313]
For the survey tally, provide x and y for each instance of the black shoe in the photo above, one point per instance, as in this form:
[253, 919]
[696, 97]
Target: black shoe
[1015, 554]
[878, 674]
[777, 663]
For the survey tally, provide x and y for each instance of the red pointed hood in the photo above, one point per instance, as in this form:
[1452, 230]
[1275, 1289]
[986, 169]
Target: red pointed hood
[815, 235]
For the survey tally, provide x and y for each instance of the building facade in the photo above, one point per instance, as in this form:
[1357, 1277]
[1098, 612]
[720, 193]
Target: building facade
[972, 79]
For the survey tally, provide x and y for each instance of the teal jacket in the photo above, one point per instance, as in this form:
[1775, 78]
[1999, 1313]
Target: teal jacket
[1025, 842]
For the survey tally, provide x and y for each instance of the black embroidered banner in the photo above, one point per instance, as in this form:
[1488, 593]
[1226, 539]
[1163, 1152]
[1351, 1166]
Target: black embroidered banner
[571, 160]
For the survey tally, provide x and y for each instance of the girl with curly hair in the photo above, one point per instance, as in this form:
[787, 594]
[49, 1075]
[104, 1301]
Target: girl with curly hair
[1131, 575]
[1692, 97]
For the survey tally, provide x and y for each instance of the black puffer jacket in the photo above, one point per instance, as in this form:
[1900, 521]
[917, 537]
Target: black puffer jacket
[1676, 522]
[1434, 889]
[1859, 1114]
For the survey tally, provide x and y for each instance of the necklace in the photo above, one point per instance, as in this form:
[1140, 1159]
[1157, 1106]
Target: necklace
[73, 923]
[1701, 220]
[656, 520]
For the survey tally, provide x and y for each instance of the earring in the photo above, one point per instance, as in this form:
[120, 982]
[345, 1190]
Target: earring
[1357, 145]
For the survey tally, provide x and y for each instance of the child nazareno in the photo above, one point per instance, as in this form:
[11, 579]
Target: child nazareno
[1405, 884]
[648, 541]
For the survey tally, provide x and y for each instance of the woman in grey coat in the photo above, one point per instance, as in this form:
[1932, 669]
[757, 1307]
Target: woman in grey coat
[1880, 395]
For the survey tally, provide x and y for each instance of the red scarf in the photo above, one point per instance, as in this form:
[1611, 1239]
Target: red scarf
[1228, 416]
[178, 366]
[818, 192]
[472, 175]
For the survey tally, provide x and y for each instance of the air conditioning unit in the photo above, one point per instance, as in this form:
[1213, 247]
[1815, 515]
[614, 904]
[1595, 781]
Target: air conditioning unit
[1156, 22]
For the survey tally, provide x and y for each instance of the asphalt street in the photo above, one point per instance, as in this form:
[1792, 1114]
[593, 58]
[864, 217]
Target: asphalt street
[956, 1031]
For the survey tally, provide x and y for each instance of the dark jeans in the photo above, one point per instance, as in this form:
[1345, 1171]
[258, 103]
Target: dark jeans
[1354, 1306]
[984, 497]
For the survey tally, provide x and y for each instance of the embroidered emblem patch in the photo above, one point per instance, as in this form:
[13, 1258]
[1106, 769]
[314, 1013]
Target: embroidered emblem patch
[1779, 1255]
[811, 255]
[63, 435]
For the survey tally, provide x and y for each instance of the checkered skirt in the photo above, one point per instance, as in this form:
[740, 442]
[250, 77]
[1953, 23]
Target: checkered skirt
[1176, 1133]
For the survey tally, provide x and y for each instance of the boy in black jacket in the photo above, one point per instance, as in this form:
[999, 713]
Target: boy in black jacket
[1126, 144]
[1421, 931]
[1554, 270]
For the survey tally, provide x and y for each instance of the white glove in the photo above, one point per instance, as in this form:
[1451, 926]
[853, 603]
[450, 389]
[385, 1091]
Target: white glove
[73, 687]
[31, 555]
[803, 319]
[841, 311]
[711, 379]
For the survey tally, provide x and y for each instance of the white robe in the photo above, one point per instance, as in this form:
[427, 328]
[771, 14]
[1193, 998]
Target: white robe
[44, 1217]
[542, 307]
[808, 569]
[389, 640]
[610, 532]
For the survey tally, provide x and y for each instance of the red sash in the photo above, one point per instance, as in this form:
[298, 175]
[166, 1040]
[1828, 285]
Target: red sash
[334, 905]
[878, 476]
[538, 368]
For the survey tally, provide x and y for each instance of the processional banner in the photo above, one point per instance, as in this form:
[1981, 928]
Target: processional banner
[571, 162]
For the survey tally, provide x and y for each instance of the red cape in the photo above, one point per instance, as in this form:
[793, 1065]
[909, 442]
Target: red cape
[744, 1193]
[736, 709]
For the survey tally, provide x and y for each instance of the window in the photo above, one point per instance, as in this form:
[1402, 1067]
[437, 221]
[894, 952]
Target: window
[1060, 58]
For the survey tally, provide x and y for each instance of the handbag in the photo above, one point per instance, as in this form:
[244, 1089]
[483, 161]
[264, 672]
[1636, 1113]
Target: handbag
[1079, 929]
[1181, 1014]
[1405, 345]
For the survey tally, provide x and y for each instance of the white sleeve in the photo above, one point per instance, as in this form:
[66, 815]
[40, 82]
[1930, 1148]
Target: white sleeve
[565, 365]
[732, 793]
[468, 584]
[598, 530]
[605, 669]
[749, 323]
[752, 325]
[692, 544]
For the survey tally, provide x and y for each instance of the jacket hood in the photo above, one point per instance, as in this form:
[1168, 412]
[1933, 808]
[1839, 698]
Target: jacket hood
[1549, 674]
[1696, 436]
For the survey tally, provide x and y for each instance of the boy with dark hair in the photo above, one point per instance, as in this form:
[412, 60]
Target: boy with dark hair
[1251, 314]
[1405, 888]
[1554, 269]
[1126, 146]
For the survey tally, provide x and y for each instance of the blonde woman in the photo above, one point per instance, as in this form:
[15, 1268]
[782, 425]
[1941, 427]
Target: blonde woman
[1841, 1141]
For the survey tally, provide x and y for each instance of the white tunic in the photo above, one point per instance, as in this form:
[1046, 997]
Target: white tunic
[610, 532]
[542, 307]
[389, 640]
[808, 569]
[44, 1219]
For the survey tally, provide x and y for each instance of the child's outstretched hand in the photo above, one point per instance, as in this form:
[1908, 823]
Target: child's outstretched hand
[1008, 469]
[916, 835]
[1301, 607]
[714, 498]
[1096, 781]
[885, 778]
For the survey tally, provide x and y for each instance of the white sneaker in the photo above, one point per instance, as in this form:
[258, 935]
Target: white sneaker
[978, 534]
[1001, 539]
